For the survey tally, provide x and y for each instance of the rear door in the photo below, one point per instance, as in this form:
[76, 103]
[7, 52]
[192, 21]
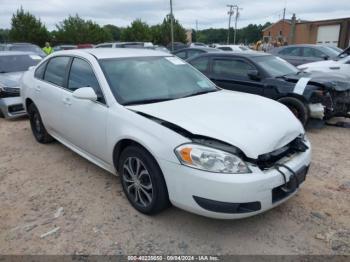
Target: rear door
[49, 81]
[232, 73]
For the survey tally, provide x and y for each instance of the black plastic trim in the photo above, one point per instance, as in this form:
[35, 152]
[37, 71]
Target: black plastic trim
[226, 207]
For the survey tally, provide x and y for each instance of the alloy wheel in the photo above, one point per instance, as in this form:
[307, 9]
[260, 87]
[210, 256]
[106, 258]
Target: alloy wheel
[137, 182]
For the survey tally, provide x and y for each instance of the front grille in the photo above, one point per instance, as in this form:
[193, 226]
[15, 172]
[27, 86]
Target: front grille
[268, 160]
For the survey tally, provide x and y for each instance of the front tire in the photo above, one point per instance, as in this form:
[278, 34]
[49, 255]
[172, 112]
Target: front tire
[298, 108]
[36, 123]
[142, 180]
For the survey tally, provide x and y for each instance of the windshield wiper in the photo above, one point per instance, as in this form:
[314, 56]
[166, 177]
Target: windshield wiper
[147, 101]
[200, 93]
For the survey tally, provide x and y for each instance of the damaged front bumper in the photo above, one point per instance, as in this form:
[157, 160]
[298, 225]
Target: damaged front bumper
[12, 107]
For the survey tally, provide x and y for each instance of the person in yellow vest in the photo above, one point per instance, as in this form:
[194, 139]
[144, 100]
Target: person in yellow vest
[47, 48]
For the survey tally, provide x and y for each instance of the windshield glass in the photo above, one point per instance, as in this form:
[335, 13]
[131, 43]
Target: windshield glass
[28, 48]
[276, 66]
[153, 79]
[17, 63]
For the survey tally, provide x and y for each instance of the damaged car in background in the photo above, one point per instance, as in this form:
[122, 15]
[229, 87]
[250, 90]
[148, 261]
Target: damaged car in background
[312, 95]
[168, 131]
[12, 66]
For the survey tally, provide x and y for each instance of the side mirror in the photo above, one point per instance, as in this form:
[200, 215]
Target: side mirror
[85, 93]
[254, 75]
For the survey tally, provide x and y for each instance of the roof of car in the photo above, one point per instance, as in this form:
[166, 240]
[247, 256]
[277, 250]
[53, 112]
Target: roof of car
[208, 49]
[243, 54]
[104, 53]
[7, 53]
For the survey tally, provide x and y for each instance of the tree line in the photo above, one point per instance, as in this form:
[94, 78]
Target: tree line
[25, 27]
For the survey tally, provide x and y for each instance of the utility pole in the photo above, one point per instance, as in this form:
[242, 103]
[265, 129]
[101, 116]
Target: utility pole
[172, 25]
[236, 19]
[196, 25]
[230, 13]
[234, 9]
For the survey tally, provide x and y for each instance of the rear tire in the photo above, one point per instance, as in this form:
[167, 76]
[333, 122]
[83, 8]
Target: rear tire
[298, 108]
[38, 128]
[142, 180]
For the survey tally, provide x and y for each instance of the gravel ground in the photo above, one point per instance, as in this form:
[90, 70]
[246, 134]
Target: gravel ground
[55, 202]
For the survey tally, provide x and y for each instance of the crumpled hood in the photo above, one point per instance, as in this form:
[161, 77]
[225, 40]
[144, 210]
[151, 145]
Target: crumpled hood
[254, 124]
[339, 82]
[10, 79]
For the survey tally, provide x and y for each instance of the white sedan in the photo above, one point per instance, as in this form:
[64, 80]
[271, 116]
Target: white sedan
[168, 131]
[340, 67]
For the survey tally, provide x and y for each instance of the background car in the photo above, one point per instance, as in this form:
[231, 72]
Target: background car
[64, 47]
[302, 54]
[177, 46]
[194, 51]
[25, 47]
[341, 66]
[125, 45]
[198, 44]
[12, 66]
[318, 96]
[234, 48]
[168, 131]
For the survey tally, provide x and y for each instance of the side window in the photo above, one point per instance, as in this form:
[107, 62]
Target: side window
[104, 46]
[39, 72]
[201, 64]
[224, 48]
[181, 54]
[191, 53]
[312, 52]
[291, 51]
[56, 70]
[82, 75]
[226, 67]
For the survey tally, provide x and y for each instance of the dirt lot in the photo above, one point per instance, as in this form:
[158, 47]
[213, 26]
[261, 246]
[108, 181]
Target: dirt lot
[48, 187]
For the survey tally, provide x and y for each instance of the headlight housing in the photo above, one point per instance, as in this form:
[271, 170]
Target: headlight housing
[210, 159]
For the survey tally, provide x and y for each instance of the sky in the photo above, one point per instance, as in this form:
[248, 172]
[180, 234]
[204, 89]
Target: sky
[208, 13]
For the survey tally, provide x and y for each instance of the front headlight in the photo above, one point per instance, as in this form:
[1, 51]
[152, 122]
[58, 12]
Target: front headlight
[210, 159]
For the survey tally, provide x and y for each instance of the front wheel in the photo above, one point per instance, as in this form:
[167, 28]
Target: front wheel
[298, 108]
[142, 180]
[36, 123]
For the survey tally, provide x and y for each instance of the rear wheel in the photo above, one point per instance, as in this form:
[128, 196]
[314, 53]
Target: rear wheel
[142, 180]
[38, 129]
[298, 108]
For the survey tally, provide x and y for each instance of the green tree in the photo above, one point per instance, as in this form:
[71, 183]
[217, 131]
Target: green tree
[75, 30]
[4, 35]
[25, 27]
[138, 31]
[115, 31]
[164, 37]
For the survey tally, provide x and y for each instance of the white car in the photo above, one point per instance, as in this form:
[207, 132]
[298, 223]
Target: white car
[168, 131]
[339, 67]
[234, 48]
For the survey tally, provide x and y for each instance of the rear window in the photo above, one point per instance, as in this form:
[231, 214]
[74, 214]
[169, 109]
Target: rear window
[56, 70]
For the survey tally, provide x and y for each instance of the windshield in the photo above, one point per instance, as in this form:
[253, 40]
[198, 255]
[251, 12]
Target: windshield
[27, 48]
[17, 63]
[275, 66]
[153, 79]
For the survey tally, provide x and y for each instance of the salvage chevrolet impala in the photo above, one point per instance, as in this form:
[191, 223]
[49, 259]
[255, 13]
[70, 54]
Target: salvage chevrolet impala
[168, 131]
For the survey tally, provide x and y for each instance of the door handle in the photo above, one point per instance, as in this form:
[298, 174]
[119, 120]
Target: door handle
[67, 101]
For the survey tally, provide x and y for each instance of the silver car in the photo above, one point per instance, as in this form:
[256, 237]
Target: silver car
[12, 66]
